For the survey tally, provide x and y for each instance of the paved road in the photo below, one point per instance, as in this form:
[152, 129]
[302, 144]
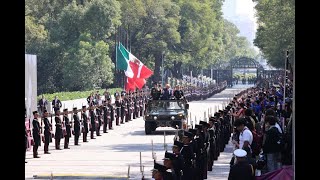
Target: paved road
[111, 154]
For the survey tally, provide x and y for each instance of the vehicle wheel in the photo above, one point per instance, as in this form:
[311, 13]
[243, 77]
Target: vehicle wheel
[148, 128]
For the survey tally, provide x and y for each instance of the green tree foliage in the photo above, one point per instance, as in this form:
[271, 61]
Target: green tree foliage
[70, 41]
[88, 65]
[74, 40]
[276, 31]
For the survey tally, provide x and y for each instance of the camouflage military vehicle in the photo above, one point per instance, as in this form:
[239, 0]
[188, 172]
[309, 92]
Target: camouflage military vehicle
[166, 113]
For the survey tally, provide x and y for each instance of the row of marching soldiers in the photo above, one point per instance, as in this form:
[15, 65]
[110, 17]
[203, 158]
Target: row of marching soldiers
[195, 150]
[99, 113]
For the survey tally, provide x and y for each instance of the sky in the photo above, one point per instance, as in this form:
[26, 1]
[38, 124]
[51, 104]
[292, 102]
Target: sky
[242, 14]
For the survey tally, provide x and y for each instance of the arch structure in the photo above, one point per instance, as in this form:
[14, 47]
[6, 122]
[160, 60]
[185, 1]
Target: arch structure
[224, 70]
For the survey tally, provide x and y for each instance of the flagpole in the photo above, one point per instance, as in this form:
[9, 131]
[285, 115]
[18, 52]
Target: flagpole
[115, 66]
[127, 37]
[119, 72]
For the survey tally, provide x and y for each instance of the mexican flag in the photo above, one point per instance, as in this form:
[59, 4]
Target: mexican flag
[123, 57]
[135, 70]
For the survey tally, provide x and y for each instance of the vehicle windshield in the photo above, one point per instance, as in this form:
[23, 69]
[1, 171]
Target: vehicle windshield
[166, 106]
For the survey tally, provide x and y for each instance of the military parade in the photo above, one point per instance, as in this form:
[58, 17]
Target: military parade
[160, 90]
[127, 107]
[196, 147]
[195, 151]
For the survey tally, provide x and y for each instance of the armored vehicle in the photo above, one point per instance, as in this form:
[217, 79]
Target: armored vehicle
[166, 113]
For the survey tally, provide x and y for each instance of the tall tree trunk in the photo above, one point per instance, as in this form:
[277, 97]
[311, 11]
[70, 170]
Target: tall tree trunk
[177, 70]
[158, 62]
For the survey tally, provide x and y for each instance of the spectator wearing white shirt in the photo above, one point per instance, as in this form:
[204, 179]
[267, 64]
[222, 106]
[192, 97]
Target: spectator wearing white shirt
[245, 137]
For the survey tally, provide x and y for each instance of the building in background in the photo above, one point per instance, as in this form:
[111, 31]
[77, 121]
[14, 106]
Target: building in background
[30, 82]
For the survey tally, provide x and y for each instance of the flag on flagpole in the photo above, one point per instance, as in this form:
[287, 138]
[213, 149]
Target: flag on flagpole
[134, 69]
[123, 61]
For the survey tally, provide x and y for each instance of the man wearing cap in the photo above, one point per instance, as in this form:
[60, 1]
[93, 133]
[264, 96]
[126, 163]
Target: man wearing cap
[76, 126]
[68, 128]
[188, 155]
[141, 102]
[199, 150]
[110, 107]
[212, 144]
[118, 107]
[106, 94]
[168, 162]
[242, 170]
[135, 105]
[158, 171]
[47, 133]
[99, 116]
[179, 163]
[85, 129]
[106, 113]
[92, 122]
[58, 134]
[123, 105]
[36, 134]
[127, 108]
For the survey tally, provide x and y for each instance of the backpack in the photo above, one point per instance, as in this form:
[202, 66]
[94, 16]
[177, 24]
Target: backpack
[256, 144]
[281, 140]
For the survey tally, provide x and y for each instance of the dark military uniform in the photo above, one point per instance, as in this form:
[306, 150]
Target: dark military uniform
[47, 134]
[85, 129]
[76, 128]
[141, 103]
[68, 130]
[188, 156]
[123, 105]
[241, 171]
[155, 93]
[36, 137]
[212, 148]
[111, 114]
[178, 94]
[118, 106]
[58, 135]
[92, 123]
[127, 108]
[136, 105]
[105, 118]
[99, 114]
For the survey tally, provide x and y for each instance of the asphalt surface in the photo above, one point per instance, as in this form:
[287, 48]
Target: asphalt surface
[113, 154]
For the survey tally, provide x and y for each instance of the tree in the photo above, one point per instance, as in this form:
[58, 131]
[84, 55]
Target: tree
[276, 31]
[88, 65]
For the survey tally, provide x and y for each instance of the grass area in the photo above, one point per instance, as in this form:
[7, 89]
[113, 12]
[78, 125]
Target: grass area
[65, 96]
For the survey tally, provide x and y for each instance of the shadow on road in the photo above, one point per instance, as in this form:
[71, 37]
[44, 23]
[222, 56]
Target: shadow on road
[139, 147]
[157, 132]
